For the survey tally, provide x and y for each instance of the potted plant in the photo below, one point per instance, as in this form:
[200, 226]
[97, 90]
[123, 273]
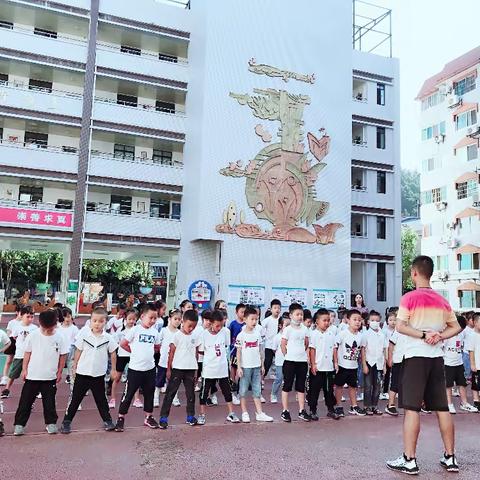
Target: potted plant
[146, 282]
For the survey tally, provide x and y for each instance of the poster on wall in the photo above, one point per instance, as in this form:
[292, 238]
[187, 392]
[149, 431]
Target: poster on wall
[290, 295]
[331, 299]
[247, 294]
[200, 292]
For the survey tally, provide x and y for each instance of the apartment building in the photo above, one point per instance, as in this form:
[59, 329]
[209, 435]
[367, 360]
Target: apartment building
[448, 157]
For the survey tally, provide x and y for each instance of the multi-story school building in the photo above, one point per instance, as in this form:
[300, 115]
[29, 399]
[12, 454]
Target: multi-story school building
[251, 145]
[450, 175]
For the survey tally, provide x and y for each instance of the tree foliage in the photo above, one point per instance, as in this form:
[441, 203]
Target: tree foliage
[409, 252]
[410, 192]
[108, 271]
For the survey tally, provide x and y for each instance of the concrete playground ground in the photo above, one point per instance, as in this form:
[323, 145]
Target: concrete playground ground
[353, 447]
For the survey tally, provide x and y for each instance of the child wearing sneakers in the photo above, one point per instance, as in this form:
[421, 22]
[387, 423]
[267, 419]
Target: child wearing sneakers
[20, 333]
[10, 351]
[322, 373]
[388, 330]
[69, 331]
[235, 328]
[94, 347]
[250, 365]
[182, 367]
[473, 348]
[454, 369]
[395, 357]
[43, 363]
[279, 359]
[295, 340]
[215, 365]
[141, 341]
[349, 346]
[4, 344]
[374, 363]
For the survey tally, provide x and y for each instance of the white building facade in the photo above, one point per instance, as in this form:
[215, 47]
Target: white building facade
[225, 141]
[448, 155]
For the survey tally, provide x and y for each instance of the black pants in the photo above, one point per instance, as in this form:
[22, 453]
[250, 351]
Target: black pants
[269, 356]
[386, 380]
[317, 383]
[31, 388]
[176, 378]
[82, 384]
[209, 383]
[137, 379]
[373, 381]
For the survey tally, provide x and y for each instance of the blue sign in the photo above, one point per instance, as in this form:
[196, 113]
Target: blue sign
[200, 292]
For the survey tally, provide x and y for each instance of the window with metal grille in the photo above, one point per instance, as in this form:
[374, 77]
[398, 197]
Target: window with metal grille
[472, 152]
[381, 138]
[5, 24]
[380, 94]
[30, 193]
[39, 139]
[164, 157]
[121, 204]
[159, 208]
[381, 282]
[43, 32]
[465, 119]
[381, 228]
[128, 100]
[130, 50]
[41, 85]
[166, 107]
[381, 182]
[465, 85]
[168, 58]
[467, 189]
[127, 152]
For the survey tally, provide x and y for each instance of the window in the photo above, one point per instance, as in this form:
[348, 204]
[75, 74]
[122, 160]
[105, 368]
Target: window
[41, 85]
[432, 100]
[441, 262]
[127, 152]
[176, 210]
[469, 299]
[166, 107]
[381, 228]
[91, 206]
[430, 164]
[29, 193]
[443, 293]
[380, 94]
[159, 208]
[121, 204]
[39, 139]
[381, 182]
[65, 204]
[439, 194]
[465, 85]
[167, 58]
[381, 138]
[466, 119]
[162, 156]
[381, 282]
[45, 33]
[3, 79]
[358, 226]
[128, 100]
[472, 152]
[433, 131]
[466, 189]
[130, 50]
[5, 24]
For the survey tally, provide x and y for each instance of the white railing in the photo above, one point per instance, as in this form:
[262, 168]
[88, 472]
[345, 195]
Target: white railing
[141, 106]
[109, 210]
[49, 91]
[359, 142]
[37, 146]
[359, 188]
[60, 36]
[7, 202]
[112, 156]
[359, 234]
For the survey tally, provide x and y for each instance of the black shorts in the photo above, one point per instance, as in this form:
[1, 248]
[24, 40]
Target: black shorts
[423, 381]
[11, 348]
[294, 371]
[455, 376]
[122, 362]
[395, 376]
[476, 381]
[347, 376]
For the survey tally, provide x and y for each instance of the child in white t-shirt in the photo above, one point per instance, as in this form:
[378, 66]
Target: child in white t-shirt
[295, 340]
[182, 367]
[142, 341]
[69, 331]
[115, 323]
[279, 358]
[4, 344]
[45, 355]
[214, 343]
[10, 351]
[473, 347]
[20, 333]
[250, 365]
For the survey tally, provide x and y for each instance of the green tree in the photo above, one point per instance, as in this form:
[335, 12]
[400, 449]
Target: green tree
[409, 252]
[410, 192]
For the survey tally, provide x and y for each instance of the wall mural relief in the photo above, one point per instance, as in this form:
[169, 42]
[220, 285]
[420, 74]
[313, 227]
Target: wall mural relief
[280, 180]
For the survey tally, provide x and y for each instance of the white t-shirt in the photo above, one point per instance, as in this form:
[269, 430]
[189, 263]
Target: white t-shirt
[279, 357]
[142, 344]
[453, 350]
[375, 345]
[215, 360]
[159, 324]
[333, 329]
[166, 336]
[323, 343]
[11, 325]
[398, 340]
[21, 332]
[249, 343]
[69, 333]
[4, 339]
[296, 351]
[114, 324]
[349, 347]
[342, 326]
[473, 345]
[119, 335]
[185, 357]
[270, 324]
[95, 350]
[228, 333]
[468, 332]
[45, 353]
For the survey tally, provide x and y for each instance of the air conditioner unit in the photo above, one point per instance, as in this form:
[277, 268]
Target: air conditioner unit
[441, 206]
[443, 276]
[452, 243]
[440, 138]
[453, 100]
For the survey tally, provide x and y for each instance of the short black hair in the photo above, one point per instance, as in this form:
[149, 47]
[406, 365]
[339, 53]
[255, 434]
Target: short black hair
[18, 307]
[147, 307]
[307, 314]
[320, 312]
[206, 314]
[275, 301]
[159, 304]
[285, 315]
[218, 302]
[239, 306]
[58, 305]
[48, 318]
[462, 321]
[423, 265]
[191, 315]
[294, 306]
[250, 311]
[128, 311]
[217, 316]
[469, 315]
[184, 302]
[121, 306]
[66, 311]
[26, 310]
[374, 312]
[351, 312]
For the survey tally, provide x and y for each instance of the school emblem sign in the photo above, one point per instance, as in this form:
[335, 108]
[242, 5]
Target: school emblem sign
[280, 179]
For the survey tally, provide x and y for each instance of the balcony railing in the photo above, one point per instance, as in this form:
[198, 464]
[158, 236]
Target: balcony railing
[359, 97]
[359, 142]
[141, 106]
[109, 209]
[37, 146]
[112, 156]
[8, 202]
[359, 188]
[51, 91]
[59, 36]
[359, 234]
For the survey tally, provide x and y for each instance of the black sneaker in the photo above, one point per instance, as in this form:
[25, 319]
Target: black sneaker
[313, 417]
[120, 425]
[449, 463]
[391, 410]
[109, 426]
[401, 464]
[333, 414]
[2, 429]
[377, 412]
[285, 416]
[424, 410]
[66, 427]
[191, 420]
[209, 402]
[303, 415]
[340, 412]
[356, 410]
[150, 422]
[369, 411]
[67, 379]
[163, 423]
[5, 393]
